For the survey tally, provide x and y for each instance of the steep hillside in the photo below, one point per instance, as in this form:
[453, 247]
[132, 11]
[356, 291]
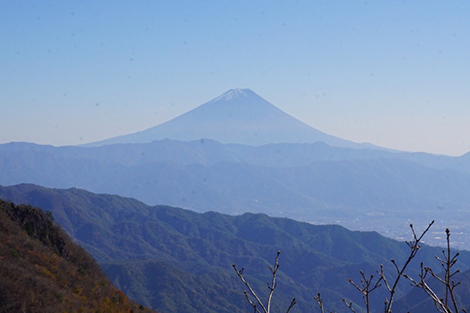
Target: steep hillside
[177, 260]
[42, 270]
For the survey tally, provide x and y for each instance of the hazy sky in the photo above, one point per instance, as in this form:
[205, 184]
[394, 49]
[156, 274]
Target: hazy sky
[393, 73]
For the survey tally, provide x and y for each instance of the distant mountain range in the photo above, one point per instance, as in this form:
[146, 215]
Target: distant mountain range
[289, 170]
[237, 116]
[358, 188]
[181, 261]
[236, 154]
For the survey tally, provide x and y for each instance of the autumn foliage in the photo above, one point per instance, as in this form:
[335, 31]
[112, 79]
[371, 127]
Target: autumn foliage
[42, 270]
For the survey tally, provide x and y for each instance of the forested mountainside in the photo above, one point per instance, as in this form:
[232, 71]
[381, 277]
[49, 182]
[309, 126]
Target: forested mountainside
[42, 270]
[176, 260]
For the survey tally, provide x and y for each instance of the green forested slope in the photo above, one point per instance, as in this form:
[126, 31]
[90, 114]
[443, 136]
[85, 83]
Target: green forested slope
[176, 260]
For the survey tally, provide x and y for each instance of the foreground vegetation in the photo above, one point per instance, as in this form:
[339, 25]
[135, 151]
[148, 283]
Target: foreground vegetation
[444, 302]
[42, 270]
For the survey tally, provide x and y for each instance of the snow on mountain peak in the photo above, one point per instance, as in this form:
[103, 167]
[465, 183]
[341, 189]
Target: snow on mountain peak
[234, 94]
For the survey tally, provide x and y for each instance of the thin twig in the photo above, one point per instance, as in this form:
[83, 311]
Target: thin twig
[349, 305]
[251, 302]
[240, 274]
[319, 302]
[273, 283]
[293, 302]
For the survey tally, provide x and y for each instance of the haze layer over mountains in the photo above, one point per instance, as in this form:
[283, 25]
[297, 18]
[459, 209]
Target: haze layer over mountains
[238, 153]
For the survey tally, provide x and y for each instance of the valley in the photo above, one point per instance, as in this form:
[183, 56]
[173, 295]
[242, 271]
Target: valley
[166, 212]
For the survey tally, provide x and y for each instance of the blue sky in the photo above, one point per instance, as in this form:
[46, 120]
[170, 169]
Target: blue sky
[393, 73]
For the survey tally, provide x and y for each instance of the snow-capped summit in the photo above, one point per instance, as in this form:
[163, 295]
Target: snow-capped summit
[235, 93]
[237, 116]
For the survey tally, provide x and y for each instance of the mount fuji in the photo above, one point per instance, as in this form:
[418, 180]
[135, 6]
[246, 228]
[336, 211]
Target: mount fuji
[237, 116]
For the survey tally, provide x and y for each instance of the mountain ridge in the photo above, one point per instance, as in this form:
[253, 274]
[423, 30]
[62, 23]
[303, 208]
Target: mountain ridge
[309, 182]
[176, 260]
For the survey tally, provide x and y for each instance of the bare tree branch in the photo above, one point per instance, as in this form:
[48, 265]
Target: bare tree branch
[319, 302]
[240, 274]
[273, 283]
[271, 287]
[293, 302]
[251, 302]
[447, 262]
[365, 289]
[438, 303]
[349, 305]
[368, 284]
[414, 248]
